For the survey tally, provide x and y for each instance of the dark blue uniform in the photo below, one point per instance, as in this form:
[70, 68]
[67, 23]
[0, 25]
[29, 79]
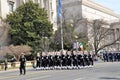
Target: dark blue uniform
[38, 61]
[22, 65]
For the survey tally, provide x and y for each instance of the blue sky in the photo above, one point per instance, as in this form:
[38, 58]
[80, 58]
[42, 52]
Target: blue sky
[112, 4]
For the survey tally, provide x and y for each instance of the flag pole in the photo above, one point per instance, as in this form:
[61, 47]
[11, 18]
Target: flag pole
[61, 33]
[60, 18]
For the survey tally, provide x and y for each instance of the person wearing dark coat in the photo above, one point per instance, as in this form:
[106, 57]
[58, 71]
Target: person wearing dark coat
[79, 56]
[66, 59]
[69, 61]
[86, 60]
[38, 60]
[62, 58]
[90, 59]
[50, 61]
[6, 64]
[74, 59]
[44, 61]
[22, 64]
[56, 60]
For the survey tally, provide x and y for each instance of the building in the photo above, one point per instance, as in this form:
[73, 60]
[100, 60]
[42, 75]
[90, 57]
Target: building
[7, 6]
[75, 11]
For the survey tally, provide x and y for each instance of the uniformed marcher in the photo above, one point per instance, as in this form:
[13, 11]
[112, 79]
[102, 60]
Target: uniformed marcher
[65, 61]
[62, 60]
[55, 60]
[86, 60]
[90, 59]
[50, 61]
[69, 60]
[82, 60]
[22, 64]
[74, 60]
[79, 56]
[44, 61]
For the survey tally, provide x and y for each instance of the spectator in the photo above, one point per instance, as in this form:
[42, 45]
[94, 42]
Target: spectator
[13, 59]
[6, 64]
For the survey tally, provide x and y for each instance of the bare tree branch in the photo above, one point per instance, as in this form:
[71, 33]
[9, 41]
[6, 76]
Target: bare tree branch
[100, 34]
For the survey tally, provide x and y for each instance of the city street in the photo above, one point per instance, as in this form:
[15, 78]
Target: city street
[60, 39]
[100, 71]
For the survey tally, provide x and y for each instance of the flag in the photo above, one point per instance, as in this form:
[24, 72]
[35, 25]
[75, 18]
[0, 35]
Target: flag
[81, 46]
[59, 8]
[76, 45]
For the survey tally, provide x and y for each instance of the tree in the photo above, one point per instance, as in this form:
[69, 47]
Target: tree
[71, 29]
[68, 38]
[78, 24]
[103, 35]
[29, 24]
[15, 50]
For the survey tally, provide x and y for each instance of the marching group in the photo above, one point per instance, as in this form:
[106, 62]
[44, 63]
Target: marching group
[57, 60]
[111, 56]
[67, 60]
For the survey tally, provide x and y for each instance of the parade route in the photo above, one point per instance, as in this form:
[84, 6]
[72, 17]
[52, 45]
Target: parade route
[101, 71]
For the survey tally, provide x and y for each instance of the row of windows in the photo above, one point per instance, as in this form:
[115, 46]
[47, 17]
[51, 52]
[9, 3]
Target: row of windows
[12, 4]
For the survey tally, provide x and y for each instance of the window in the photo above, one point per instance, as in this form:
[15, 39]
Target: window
[26, 0]
[36, 1]
[52, 16]
[45, 4]
[51, 6]
[11, 6]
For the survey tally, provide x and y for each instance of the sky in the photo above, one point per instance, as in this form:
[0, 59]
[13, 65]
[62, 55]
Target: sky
[112, 4]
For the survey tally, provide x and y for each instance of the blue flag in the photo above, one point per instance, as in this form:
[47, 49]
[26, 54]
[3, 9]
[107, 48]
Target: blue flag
[59, 8]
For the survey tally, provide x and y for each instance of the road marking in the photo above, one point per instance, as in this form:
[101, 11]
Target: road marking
[79, 79]
[47, 76]
[15, 76]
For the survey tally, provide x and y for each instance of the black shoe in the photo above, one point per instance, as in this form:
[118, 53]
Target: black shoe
[24, 74]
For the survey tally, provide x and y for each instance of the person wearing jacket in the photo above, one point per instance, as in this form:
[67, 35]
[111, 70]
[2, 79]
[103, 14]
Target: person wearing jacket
[22, 64]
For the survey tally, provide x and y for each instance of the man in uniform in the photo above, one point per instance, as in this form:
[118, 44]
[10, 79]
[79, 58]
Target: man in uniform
[90, 59]
[50, 61]
[62, 60]
[86, 60]
[22, 64]
[38, 60]
[79, 56]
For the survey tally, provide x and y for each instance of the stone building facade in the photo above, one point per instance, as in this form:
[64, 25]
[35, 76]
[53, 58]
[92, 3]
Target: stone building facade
[7, 6]
[78, 10]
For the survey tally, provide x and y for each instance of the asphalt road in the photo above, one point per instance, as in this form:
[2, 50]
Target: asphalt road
[100, 71]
